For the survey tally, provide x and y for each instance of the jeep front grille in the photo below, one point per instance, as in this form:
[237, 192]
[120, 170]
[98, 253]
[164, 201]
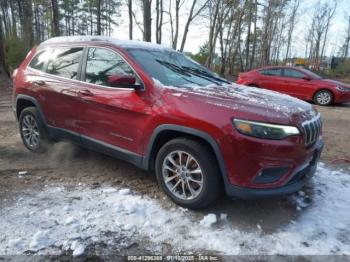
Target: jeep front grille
[312, 130]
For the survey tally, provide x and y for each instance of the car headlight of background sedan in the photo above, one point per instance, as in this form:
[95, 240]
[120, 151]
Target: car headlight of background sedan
[264, 130]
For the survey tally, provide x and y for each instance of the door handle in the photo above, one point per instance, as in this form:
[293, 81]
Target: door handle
[85, 92]
[38, 83]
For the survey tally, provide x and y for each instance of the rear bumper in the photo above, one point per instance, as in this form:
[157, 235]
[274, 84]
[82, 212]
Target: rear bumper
[295, 183]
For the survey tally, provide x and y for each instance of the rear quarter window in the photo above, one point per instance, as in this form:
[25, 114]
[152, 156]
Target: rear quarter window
[40, 59]
[64, 62]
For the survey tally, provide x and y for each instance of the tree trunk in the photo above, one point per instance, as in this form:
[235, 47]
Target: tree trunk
[250, 17]
[55, 18]
[98, 32]
[176, 35]
[252, 58]
[130, 19]
[28, 24]
[13, 16]
[2, 52]
[147, 21]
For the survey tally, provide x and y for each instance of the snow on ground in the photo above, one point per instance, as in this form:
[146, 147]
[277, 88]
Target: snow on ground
[58, 218]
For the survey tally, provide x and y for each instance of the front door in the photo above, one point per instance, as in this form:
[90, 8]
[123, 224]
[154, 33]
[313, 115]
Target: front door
[111, 115]
[271, 78]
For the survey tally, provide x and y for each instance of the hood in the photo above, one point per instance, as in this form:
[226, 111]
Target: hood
[337, 83]
[259, 103]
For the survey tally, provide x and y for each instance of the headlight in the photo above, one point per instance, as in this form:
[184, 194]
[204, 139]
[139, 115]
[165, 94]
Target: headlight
[343, 89]
[264, 130]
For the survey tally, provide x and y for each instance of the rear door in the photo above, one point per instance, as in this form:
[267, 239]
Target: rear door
[111, 115]
[62, 84]
[271, 78]
[295, 83]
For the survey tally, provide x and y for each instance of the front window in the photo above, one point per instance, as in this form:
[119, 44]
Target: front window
[293, 73]
[103, 63]
[174, 69]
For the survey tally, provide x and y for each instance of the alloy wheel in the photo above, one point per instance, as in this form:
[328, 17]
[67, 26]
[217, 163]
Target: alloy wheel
[30, 131]
[323, 98]
[182, 175]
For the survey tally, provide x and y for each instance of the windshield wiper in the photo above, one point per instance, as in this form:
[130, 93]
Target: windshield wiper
[188, 72]
[205, 73]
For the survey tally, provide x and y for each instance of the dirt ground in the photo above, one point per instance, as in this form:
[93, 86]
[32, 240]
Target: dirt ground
[68, 165]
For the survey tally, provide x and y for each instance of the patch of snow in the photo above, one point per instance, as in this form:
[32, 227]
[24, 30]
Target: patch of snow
[40, 240]
[78, 248]
[321, 228]
[22, 173]
[124, 191]
[208, 220]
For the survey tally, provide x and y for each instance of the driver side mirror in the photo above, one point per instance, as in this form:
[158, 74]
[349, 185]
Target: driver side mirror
[307, 78]
[123, 81]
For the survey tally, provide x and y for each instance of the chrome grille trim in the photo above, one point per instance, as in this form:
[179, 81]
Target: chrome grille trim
[312, 129]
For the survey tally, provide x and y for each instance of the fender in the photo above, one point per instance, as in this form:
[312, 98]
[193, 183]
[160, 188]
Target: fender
[34, 101]
[191, 131]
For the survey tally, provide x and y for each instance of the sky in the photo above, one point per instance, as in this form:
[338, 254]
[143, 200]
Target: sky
[199, 29]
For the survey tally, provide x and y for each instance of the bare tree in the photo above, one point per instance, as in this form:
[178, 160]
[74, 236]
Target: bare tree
[147, 20]
[291, 27]
[55, 18]
[159, 20]
[2, 52]
[190, 18]
[98, 19]
[130, 19]
[347, 38]
[27, 26]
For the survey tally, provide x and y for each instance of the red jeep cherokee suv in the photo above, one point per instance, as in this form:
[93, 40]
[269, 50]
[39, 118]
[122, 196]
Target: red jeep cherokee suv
[298, 82]
[161, 111]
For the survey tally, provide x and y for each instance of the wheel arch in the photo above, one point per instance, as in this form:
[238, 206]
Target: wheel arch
[24, 101]
[323, 89]
[167, 132]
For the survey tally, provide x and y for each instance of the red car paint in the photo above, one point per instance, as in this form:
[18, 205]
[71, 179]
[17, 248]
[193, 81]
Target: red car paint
[303, 88]
[128, 118]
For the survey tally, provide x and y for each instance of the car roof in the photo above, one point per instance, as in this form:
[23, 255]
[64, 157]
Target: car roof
[277, 67]
[105, 40]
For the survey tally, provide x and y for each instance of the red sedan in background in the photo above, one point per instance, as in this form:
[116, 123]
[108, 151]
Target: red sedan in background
[297, 82]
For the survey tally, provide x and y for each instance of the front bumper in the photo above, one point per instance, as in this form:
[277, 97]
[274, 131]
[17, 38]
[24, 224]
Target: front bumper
[295, 182]
[343, 97]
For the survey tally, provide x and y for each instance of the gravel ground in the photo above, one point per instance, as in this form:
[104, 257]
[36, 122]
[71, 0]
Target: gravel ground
[36, 206]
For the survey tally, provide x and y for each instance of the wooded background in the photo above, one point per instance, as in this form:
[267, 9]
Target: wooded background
[243, 34]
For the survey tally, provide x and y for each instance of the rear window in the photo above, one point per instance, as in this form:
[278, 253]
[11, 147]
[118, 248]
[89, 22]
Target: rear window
[64, 62]
[271, 72]
[40, 59]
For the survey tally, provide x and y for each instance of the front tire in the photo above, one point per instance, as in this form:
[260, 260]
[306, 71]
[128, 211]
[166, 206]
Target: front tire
[324, 98]
[188, 173]
[33, 131]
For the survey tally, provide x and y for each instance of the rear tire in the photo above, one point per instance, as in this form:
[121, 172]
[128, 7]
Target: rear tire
[190, 169]
[33, 132]
[323, 98]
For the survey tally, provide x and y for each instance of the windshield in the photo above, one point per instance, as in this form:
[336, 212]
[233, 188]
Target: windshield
[312, 74]
[174, 69]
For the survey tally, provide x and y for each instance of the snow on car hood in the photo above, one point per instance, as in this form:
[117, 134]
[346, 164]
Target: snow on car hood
[248, 99]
